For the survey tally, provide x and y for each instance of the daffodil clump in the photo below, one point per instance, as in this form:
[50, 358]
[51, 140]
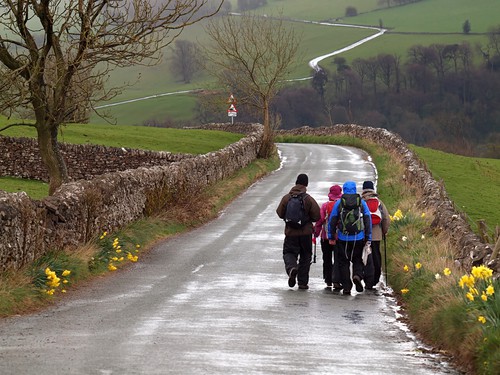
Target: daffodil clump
[479, 293]
[112, 254]
[55, 283]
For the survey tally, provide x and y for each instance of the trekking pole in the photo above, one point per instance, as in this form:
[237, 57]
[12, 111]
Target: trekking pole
[385, 259]
[314, 251]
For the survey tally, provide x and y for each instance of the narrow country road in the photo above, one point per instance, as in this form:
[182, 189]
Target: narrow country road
[216, 301]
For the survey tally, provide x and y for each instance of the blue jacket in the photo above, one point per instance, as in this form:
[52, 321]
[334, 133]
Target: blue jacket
[350, 188]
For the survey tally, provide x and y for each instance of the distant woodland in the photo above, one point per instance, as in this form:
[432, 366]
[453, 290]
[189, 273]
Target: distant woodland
[445, 97]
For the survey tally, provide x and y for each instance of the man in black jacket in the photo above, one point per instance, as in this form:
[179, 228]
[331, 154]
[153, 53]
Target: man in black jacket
[297, 246]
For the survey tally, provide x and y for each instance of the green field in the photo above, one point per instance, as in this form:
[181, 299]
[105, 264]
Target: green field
[192, 141]
[444, 17]
[472, 183]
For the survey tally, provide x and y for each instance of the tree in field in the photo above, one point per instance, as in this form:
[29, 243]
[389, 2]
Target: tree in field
[351, 11]
[55, 57]
[466, 27]
[252, 55]
[184, 61]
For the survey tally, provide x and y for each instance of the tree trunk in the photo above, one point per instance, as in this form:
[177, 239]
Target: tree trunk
[266, 148]
[51, 156]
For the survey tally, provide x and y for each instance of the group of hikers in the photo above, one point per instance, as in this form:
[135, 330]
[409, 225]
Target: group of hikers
[350, 226]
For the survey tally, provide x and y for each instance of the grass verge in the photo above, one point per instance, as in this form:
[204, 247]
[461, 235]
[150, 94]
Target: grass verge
[455, 311]
[41, 283]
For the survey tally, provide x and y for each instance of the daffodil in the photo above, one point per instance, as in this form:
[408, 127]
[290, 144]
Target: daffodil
[406, 268]
[137, 246]
[111, 267]
[469, 296]
[418, 265]
[482, 272]
[66, 273]
[466, 281]
[481, 319]
[423, 214]
[447, 272]
[404, 291]
[398, 215]
[484, 297]
[490, 290]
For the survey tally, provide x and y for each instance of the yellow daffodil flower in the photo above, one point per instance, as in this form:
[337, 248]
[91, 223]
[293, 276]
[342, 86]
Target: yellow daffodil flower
[481, 319]
[418, 265]
[66, 273]
[406, 268]
[111, 267]
[137, 246]
[469, 296]
[423, 214]
[466, 281]
[481, 272]
[474, 291]
[490, 290]
[404, 291]
[484, 297]
[447, 272]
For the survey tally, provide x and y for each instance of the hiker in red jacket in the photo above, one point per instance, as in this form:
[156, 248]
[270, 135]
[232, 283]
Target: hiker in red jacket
[380, 226]
[330, 270]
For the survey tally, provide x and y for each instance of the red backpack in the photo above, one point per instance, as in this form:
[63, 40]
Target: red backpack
[374, 207]
[329, 208]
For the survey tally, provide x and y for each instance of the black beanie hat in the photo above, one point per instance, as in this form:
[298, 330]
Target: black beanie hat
[302, 179]
[368, 185]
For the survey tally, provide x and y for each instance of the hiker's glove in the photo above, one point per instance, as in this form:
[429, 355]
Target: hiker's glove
[314, 240]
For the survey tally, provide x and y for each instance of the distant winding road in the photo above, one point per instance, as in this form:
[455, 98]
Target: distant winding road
[314, 63]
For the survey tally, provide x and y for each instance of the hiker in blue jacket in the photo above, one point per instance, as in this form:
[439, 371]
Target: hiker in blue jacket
[351, 220]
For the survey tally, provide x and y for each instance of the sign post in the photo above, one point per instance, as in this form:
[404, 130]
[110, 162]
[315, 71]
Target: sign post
[232, 111]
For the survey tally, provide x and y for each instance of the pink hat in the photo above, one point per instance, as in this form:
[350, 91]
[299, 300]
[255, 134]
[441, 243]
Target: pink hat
[335, 192]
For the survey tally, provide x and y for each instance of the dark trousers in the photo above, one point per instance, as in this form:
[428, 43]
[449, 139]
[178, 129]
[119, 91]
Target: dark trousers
[350, 252]
[331, 272]
[377, 262]
[298, 249]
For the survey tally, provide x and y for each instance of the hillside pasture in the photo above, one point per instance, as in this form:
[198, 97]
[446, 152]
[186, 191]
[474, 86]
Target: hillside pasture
[472, 183]
[425, 23]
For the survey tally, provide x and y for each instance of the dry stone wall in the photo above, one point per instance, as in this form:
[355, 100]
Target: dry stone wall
[21, 158]
[470, 251]
[83, 209]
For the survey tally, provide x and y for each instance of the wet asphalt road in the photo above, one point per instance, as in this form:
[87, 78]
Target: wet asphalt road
[216, 301]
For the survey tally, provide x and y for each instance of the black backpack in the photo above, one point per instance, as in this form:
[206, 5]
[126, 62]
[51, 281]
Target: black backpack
[295, 213]
[350, 214]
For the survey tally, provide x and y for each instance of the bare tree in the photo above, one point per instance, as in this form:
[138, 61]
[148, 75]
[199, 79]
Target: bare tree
[254, 55]
[55, 57]
[184, 61]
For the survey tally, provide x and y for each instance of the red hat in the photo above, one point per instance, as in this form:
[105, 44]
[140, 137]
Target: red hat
[335, 192]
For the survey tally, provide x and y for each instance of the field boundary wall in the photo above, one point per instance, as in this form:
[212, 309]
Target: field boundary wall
[112, 196]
